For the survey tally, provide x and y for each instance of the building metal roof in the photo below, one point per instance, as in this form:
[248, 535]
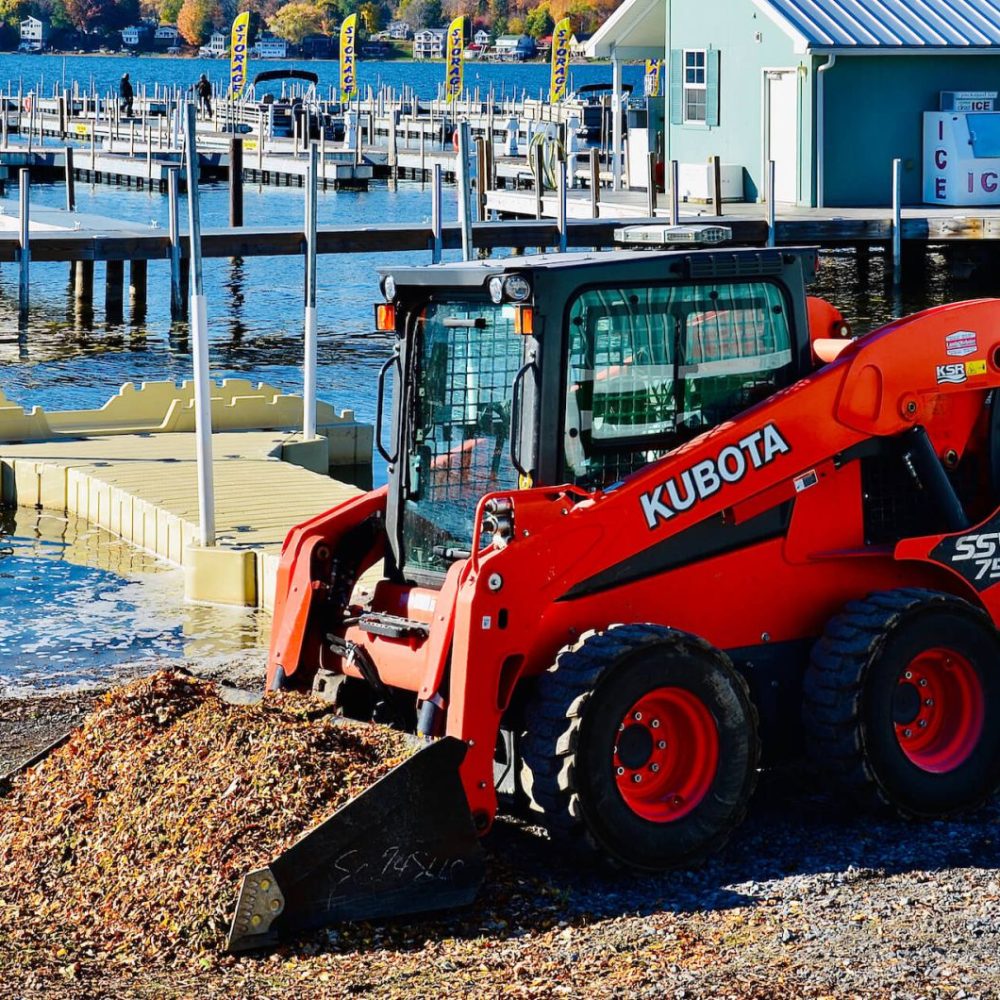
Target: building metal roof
[899, 24]
[636, 30]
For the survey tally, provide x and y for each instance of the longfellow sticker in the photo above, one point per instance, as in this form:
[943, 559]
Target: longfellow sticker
[681, 492]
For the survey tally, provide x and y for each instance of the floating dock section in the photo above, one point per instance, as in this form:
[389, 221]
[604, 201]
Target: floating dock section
[130, 468]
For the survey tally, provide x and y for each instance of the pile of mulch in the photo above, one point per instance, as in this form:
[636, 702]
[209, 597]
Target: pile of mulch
[128, 844]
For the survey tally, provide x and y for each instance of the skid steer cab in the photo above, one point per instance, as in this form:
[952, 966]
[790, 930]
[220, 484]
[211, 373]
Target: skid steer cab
[652, 519]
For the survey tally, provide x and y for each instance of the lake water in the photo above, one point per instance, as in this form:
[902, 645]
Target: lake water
[102, 73]
[69, 612]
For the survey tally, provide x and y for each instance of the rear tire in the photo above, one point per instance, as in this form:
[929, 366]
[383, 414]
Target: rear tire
[641, 744]
[902, 702]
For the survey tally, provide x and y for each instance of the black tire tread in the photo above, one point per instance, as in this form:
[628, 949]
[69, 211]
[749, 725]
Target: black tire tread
[553, 721]
[833, 684]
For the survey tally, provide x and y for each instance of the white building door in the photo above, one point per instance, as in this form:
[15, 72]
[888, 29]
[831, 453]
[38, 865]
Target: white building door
[783, 132]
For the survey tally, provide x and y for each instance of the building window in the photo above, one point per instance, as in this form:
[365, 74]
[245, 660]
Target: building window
[695, 88]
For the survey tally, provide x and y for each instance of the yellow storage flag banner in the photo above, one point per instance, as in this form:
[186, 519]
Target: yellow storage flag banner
[348, 75]
[453, 65]
[239, 54]
[651, 78]
[560, 60]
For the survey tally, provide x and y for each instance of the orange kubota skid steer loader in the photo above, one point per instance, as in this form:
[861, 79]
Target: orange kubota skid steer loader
[648, 516]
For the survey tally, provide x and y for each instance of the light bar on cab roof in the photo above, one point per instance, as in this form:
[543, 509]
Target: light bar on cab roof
[663, 235]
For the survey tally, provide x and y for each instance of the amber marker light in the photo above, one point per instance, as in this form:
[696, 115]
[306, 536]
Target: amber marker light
[524, 320]
[385, 317]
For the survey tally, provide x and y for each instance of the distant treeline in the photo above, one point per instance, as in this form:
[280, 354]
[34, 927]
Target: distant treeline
[89, 23]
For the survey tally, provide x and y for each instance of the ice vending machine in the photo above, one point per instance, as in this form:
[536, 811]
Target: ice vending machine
[962, 150]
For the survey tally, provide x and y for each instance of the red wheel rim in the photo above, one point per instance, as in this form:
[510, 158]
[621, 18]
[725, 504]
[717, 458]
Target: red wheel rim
[938, 710]
[666, 755]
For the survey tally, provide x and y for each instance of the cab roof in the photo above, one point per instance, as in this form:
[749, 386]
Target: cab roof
[715, 262]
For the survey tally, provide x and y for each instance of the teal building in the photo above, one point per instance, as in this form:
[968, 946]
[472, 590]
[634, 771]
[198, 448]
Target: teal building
[830, 90]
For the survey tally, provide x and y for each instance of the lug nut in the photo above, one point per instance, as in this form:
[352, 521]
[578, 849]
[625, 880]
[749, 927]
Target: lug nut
[637, 778]
[620, 771]
[907, 733]
[908, 675]
[661, 745]
[655, 723]
[654, 768]
[923, 723]
[923, 682]
[929, 702]
[637, 716]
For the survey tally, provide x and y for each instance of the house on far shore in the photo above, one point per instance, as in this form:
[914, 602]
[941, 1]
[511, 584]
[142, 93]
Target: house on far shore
[319, 47]
[218, 45]
[135, 35]
[34, 34]
[399, 30]
[481, 38]
[268, 47]
[514, 48]
[429, 43]
[577, 43]
[166, 36]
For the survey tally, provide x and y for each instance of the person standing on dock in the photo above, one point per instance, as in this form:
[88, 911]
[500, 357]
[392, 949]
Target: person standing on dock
[204, 91]
[126, 94]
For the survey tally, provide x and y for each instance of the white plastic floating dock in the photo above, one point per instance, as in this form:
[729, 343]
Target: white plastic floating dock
[130, 468]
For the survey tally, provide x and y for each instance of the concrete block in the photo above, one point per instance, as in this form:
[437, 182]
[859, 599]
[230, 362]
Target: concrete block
[27, 485]
[311, 455]
[53, 487]
[8, 492]
[220, 576]
[267, 578]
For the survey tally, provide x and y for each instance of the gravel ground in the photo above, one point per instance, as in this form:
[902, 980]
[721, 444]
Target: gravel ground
[810, 899]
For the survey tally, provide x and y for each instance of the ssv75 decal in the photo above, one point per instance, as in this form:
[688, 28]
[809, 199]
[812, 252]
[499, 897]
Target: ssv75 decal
[705, 478]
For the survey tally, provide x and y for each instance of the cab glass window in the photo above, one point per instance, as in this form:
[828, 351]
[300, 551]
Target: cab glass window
[653, 366]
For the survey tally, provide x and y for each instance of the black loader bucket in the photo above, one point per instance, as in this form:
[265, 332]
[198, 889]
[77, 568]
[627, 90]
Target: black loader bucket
[406, 845]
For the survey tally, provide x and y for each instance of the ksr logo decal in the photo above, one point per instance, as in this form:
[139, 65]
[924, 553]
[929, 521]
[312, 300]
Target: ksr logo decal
[956, 372]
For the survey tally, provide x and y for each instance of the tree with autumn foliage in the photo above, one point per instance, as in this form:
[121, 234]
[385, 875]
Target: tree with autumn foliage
[295, 21]
[107, 14]
[196, 19]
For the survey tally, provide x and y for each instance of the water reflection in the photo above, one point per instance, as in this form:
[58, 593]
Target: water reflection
[79, 602]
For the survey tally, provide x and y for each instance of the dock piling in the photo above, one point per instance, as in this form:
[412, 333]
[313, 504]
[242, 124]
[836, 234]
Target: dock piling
[137, 283]
[83, 290]
[538, 169]
[235, 181]
[482, 178]
[309, 363]
[651, 185]
[24, 254]
[176, 292]
[717, 185]
[772, 210]
[436, 219]
[462, 183]
[595, 183]
[561, 216]
[114, 292]
[897, 222]
[70, 181]
[675, 197]
[199, 348]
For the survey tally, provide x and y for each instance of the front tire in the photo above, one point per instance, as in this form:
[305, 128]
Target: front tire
[641, 744]
[902, 702]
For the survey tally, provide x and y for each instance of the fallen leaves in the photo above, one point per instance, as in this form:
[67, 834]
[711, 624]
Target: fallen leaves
[136, 833]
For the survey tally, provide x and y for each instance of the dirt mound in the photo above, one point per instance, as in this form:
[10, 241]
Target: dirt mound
[136, 833]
